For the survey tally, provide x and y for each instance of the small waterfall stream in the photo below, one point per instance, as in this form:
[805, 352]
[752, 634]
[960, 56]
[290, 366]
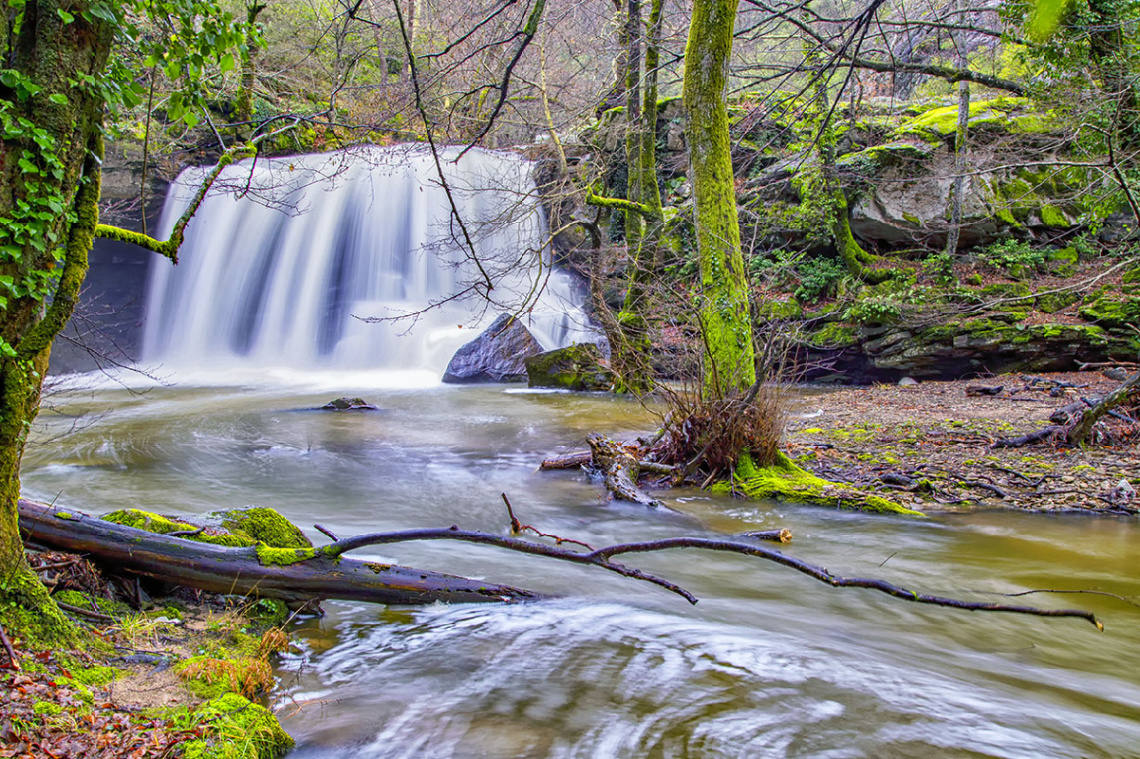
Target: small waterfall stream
[285, 254]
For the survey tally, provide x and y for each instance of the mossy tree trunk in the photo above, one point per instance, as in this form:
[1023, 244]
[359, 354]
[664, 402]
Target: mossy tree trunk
[49, 189]
[244, 102]
[729, 357]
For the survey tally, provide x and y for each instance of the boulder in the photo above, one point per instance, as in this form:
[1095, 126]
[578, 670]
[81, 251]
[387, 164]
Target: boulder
[348, 404]
[497, 355]
[577, 367]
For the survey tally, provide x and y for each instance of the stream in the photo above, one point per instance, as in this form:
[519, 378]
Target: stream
[769, 664]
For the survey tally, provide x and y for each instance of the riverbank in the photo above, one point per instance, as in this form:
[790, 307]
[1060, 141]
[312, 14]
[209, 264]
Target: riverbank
[929, 446]
[184, 675]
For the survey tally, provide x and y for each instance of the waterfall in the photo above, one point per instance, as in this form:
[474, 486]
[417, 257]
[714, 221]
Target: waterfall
[286, 257]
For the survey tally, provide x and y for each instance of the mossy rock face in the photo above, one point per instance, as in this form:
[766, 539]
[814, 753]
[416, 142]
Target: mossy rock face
[263, 525]
[778, 310]
[1111, 312]
[1005, 291]
[1051, 303]
[577, 367]
[1132, 277]
[1063, 262]
[834, 335]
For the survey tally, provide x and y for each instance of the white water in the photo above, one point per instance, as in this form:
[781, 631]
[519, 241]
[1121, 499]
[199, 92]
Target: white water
[284, 255]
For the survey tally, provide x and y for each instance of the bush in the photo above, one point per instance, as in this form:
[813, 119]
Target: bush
[873, 311]
[819, 278]
[1015, 258]
[940, 269]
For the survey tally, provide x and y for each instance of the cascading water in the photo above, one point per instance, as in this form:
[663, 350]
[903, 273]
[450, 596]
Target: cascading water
[285, 254]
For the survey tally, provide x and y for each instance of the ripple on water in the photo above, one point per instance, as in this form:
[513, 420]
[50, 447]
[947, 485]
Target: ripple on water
[576, 680]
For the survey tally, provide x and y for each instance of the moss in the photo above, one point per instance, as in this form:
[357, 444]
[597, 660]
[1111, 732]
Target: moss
[233, 728]
[576, 367]
[784, 480]
[145, 520]
[1006, 291]
[264, 525]
[834, 335]
[268, 612]
[1051, 303]
[82, 600]
[270, 556]
[95, 676]
[1063, 262]
[1132, 277]
[1113, 312]
[943, 121]
[46, 708]
[778, 310]
[1053, 216]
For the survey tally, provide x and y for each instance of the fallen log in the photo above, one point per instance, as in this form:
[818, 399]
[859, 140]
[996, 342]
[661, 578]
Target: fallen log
[567, 461]
[292, 575]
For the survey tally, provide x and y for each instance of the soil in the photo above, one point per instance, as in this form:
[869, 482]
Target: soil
[935, 432]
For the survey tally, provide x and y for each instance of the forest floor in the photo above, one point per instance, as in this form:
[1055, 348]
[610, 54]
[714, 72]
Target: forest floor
[934, 445]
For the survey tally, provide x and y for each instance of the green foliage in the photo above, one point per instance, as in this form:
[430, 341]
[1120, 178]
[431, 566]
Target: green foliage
[1016, 258]
[874, 311]
[940, 269]
[819, 278]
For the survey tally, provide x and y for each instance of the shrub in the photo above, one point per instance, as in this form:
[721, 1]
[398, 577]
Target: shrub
[819, 278]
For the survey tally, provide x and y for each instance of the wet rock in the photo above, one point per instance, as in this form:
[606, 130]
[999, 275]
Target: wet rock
[348, 404]
[497, 355]
[577, 367]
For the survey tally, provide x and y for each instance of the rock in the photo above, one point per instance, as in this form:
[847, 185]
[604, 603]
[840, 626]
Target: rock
[1116, 373]
[908, 382]
[497, 355]
[348, 404]
[577, 367]
[1122, 494]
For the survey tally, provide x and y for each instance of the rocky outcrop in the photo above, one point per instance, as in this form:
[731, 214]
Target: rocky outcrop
[497, 355]
[578, 367]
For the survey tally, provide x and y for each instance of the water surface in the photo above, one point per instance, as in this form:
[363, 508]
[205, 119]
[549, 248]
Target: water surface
[768, 664]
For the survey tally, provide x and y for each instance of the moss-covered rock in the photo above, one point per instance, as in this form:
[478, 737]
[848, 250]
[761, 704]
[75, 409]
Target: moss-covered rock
[775, 310]
[834, 335]
[1112, 311]
[1052, 302]
[577, 367]
[1063, 262]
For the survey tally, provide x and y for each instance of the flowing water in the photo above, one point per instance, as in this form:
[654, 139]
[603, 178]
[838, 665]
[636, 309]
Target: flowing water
[768, 664]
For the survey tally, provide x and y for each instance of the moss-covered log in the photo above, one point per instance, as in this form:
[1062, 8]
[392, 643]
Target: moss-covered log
[293, 575]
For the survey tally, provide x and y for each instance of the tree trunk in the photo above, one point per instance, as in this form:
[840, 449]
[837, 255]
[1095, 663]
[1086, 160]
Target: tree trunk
[49, 189]
[1082, 430]
[274, 573]
[961, 135]
[729, 357]
[243, 111]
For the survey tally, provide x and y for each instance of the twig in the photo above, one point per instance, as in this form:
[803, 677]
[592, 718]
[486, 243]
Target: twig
[15, 662]
[518, 527]
[84, 612]
[324, 531]
[186, 533]
[602, 557]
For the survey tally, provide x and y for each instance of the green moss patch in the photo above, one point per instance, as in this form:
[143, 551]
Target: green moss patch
[233, 728]
[156, 523]
[282, 557]
[264, 525]
[784, 480]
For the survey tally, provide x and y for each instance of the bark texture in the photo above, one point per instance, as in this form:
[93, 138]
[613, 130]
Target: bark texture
[729, 355]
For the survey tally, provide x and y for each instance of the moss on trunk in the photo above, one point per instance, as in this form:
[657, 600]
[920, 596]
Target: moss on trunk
[729, 356]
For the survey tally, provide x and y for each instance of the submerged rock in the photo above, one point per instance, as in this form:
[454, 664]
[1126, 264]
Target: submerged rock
[349, 404]
[577, 367]
[496, 355]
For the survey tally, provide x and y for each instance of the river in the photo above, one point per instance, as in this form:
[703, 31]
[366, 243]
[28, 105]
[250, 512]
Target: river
[769, 663]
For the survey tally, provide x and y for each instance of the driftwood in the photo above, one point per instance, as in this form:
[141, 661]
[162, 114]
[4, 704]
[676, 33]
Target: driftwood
[621, 470]
[328, 575]
[1082, 430]
[222, 569]
[568, 461]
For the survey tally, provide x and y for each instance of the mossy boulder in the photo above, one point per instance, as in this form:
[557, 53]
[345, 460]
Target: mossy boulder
[577, 367]
[1052, 302]
[1132, 277]
[834, 335]
[1063, 262]
[774, 310]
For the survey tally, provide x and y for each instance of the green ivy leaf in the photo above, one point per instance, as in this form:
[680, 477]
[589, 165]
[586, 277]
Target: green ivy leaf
[56, 97]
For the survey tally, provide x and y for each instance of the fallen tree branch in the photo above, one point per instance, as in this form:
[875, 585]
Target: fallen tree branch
[601, 557]
[322, 572]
